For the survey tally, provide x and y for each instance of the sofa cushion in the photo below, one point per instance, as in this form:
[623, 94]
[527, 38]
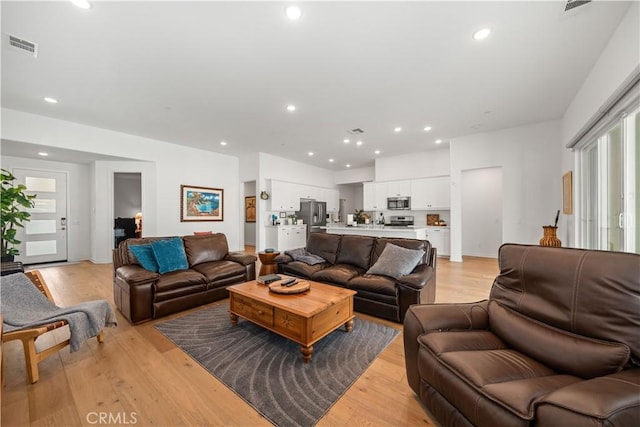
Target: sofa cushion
[218, 270]
[302, 269]
[337, 274]
[205, 248]
[179, 279]
[324, 245]
[562, 350]
[170, 255]
[396, 261]
[355, 250]
[145, 257]
[372, 283]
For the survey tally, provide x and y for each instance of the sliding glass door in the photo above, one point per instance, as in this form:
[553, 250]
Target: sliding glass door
[608, 185]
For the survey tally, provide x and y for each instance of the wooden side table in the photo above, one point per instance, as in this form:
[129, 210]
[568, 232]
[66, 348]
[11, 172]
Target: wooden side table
[268, 266]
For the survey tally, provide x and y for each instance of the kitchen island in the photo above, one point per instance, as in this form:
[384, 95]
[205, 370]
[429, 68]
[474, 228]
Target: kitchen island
[407, 232]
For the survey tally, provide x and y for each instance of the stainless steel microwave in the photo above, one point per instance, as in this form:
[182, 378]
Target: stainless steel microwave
[398, 203]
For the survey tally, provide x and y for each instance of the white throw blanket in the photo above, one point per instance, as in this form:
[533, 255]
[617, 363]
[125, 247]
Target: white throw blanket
[24, 306]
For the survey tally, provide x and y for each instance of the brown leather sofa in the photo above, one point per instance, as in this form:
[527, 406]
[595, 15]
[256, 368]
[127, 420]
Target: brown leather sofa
[347, 258]
[556, 344]
[142, 295]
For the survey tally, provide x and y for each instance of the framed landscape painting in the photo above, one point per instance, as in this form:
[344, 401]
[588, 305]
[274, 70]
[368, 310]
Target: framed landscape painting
[201, 203]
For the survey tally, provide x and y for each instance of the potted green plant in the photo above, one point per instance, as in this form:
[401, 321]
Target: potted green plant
[14, 204]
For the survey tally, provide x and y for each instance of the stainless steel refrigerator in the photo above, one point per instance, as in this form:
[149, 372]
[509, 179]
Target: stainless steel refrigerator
[314, 214]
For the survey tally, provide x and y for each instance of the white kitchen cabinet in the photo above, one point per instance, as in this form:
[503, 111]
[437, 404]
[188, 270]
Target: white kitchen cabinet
[292, 237]
[431, 194]
[398, 189]
[285, 196]
[374, 196]
[440, 239]
[332, 197]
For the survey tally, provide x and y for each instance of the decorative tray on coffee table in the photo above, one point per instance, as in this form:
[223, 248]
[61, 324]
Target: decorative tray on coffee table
[297, 288]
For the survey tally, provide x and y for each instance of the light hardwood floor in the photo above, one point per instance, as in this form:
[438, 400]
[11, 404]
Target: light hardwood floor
[138, 377]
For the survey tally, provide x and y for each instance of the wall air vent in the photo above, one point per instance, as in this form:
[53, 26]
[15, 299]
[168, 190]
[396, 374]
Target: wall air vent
[572, 4]
[22, 45]
[356, 131]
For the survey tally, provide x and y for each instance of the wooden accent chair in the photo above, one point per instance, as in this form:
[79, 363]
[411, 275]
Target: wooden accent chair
[28, 336]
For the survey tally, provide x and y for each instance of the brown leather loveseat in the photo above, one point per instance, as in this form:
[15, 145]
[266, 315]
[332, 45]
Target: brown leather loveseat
[556, 344]
[142, 295]
[346, 260]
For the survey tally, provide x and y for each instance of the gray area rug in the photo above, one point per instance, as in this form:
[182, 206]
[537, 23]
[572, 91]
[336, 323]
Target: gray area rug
[267, 370]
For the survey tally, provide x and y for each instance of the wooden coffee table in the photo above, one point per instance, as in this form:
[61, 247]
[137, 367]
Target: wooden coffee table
[303, 318]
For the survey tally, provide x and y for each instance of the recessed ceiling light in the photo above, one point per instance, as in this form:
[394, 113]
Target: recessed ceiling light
[438, 141]
[377, 152]
[346, 140]
[482, 34]
[42, 153]
[51, 100]
[82, 4]
[359, 143]
[291, 108]
[223, 142]
[348, 165]
[331, 160]
[310, 153]
[427, 128]
[397, 129]
[293, 12]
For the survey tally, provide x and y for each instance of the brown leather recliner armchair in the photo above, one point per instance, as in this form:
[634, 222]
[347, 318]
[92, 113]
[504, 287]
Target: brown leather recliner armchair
[556, 344]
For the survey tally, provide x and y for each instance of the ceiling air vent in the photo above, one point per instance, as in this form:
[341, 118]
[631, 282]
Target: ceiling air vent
[572, 4]
[356, 131]
[22, 45]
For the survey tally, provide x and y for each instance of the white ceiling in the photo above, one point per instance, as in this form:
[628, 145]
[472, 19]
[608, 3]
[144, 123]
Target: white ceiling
[197, 73]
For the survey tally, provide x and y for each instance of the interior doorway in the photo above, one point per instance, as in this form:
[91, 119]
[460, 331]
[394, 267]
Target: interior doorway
[482, 212]
[127, 206]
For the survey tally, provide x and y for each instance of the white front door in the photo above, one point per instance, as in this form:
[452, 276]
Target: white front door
[44, 237]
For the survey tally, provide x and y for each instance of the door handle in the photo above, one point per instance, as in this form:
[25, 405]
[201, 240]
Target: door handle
[63, 223]
[621, 220]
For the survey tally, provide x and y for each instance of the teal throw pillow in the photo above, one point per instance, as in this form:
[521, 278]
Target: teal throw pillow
[145, 256]
[170, 255]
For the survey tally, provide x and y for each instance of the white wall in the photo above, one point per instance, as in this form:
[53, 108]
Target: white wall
[166, 167]
[619, 59]
[78, 188]
[424, 164]
[127, 194]
[350, 176]
[532, 178]
[481, 212]
[352, 193]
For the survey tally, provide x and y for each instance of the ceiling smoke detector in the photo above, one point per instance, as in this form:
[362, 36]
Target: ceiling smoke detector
[24, 46]
[356, 131]
[572, 4]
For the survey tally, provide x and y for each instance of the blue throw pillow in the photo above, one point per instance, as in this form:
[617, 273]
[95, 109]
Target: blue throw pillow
[145, 256]
[170, 255]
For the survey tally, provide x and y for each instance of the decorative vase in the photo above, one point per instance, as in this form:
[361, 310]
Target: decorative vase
[550, 238]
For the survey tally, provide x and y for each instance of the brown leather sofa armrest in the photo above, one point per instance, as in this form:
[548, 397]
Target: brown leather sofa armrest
[423, 318]
[134, 275]
[609, 400]
[282, 259]
[418, 278]
[241, 257]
